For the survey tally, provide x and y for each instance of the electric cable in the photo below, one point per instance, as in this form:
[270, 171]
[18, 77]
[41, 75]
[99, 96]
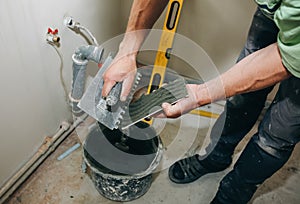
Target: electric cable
[62, 80]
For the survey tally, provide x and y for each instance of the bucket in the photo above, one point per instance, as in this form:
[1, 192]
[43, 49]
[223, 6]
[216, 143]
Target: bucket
[121, 165]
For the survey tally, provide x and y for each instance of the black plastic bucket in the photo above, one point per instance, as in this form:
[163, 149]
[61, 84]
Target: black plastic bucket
[121, 165]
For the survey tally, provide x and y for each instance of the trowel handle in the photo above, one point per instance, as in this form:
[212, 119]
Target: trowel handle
[114, 94]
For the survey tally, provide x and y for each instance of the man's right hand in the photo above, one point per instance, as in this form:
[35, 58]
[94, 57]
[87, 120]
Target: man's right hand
[122, 69]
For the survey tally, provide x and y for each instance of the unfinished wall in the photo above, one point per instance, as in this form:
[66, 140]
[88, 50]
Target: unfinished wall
[32, 98]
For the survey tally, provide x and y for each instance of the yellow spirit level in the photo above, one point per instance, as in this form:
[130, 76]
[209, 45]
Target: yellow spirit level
[165, 47]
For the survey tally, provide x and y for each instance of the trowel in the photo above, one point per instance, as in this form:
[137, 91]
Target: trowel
[116, 114]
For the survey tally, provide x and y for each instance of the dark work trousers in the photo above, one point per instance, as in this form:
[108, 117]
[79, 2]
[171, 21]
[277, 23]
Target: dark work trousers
[270, 148]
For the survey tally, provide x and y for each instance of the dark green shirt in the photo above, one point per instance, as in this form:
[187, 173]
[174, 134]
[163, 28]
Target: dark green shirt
[286, 15]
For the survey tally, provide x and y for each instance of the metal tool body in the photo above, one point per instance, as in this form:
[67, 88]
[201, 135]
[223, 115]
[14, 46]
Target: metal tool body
[114, 113]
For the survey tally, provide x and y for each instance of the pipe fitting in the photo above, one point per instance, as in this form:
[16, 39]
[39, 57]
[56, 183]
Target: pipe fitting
[69, 22]
[90, 52]
[74, 106]
[77, 59]
[65, 125]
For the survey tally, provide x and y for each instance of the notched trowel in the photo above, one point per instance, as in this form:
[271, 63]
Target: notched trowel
[113, 113]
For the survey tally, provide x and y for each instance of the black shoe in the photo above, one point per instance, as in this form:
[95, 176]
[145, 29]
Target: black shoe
[187, 170]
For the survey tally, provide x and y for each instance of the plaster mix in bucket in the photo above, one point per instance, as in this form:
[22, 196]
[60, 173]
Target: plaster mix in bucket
[121, 165]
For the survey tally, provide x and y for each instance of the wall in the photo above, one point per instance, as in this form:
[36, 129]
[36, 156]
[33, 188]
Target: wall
[32, 98]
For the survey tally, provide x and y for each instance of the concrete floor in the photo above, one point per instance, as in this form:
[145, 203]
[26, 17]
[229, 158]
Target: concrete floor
[63, 182]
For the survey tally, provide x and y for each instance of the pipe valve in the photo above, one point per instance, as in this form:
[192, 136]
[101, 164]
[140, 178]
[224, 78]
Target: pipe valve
[52, 36]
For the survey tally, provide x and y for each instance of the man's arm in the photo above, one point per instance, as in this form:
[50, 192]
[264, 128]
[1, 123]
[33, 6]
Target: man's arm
[261, 69]
[143, 15]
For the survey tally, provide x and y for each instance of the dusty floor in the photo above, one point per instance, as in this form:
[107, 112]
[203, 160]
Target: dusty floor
[63, 182]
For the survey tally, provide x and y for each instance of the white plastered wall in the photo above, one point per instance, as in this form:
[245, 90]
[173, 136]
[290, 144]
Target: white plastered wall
[32, 102]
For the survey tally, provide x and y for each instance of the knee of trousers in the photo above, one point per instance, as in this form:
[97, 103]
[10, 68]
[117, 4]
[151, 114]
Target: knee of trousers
[233, 190]
[279, 131]
[253, 167]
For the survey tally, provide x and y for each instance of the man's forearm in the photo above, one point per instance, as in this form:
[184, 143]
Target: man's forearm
[258, 70]
[143, 15]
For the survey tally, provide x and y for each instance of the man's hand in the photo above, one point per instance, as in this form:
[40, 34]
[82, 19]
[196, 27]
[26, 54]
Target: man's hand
[184, 105]
[122, 69]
